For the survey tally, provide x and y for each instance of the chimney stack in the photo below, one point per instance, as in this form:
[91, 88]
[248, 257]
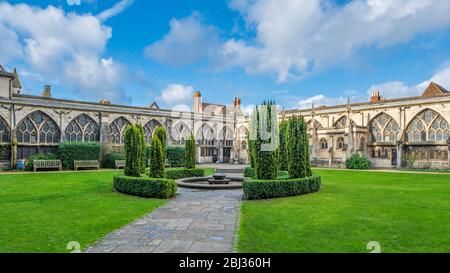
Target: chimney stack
[237, 104]
[375, 97]
[197, 102]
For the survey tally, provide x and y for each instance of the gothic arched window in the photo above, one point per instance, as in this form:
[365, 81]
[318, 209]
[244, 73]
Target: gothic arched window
[317, 125]
[149, 128]
[384, 128]
[180, 132]
[362, 144]
[226, 136]
[38, 128]
[5, 131]
[206, 135]
[244, 145]
[343, 122]
[117, 130]
[83, 128]
[428, 126]
[340, 143]
[323, 144]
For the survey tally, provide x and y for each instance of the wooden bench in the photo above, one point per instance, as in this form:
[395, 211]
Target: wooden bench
[168, 165]
[47, 164]
[85, 164]
[119, 164]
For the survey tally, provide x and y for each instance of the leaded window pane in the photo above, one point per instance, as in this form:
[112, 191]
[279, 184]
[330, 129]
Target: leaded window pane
[117, 130]
[428, 124]
[384, 127]
[5, 132]
[83, 128]
[38, 127]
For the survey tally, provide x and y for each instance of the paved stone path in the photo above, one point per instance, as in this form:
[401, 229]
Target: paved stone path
[195, 221]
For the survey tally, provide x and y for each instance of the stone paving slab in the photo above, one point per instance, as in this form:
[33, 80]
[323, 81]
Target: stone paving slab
[193, 222]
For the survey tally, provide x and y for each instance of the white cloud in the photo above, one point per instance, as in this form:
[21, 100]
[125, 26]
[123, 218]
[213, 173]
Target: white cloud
[118, 8]
[63, 48]
[177, 94]
[320, 100]
[388, 90]
[398, 89]
[188, 41]
[296, 37]
[248, 109]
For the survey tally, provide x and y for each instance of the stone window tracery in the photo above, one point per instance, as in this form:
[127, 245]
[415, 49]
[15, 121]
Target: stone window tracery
[149, 129]
[117, 130]
[5, 131]
[38, 128]
[428, 126]
[384, 128]
[82, 128]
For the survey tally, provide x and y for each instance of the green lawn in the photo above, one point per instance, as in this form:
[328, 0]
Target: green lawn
[43, 212]
[403, 212]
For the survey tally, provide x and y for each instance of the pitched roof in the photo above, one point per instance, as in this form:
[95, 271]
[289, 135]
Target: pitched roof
[154, 105]
[434, 89]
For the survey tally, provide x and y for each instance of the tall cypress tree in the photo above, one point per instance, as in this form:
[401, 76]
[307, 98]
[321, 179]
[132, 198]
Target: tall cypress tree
[190, 152]
[283, 140]
[299, 165]
[132, 151]
[142, 147]
[162, 135]
[156, 158]
[304, 131]
[266, 150]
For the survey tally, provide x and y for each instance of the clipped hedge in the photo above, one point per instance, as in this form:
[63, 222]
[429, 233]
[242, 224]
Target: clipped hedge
[41, 156]
[177, 173]
[249, 172]
[358, 162]
[70, 151]
[267, 189]
[109, 159]
[145, 187]
[175, 155]
[191, 153]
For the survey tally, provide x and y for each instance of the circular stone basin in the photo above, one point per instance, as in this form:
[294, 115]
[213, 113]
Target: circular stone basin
[219, 178]
[204, 183]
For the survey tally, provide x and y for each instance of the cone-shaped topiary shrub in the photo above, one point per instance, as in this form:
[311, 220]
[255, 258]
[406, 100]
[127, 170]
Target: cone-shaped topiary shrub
[162, 135]
[283, 152]
[157, 158]
[133, 151]
[264, 131]
[190, 153]
[142, 148]
[298, 148]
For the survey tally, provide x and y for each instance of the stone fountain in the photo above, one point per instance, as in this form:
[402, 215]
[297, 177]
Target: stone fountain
[219, 178]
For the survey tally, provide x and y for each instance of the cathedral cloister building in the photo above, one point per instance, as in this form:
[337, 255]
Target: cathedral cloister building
[407, 132]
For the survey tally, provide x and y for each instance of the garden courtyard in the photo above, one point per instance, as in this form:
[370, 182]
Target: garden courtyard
[404, 212]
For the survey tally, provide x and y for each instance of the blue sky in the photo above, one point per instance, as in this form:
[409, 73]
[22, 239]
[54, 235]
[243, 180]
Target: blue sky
[294, 51]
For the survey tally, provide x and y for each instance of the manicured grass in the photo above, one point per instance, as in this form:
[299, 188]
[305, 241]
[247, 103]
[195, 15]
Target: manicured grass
[43, 212]
[403, 212]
